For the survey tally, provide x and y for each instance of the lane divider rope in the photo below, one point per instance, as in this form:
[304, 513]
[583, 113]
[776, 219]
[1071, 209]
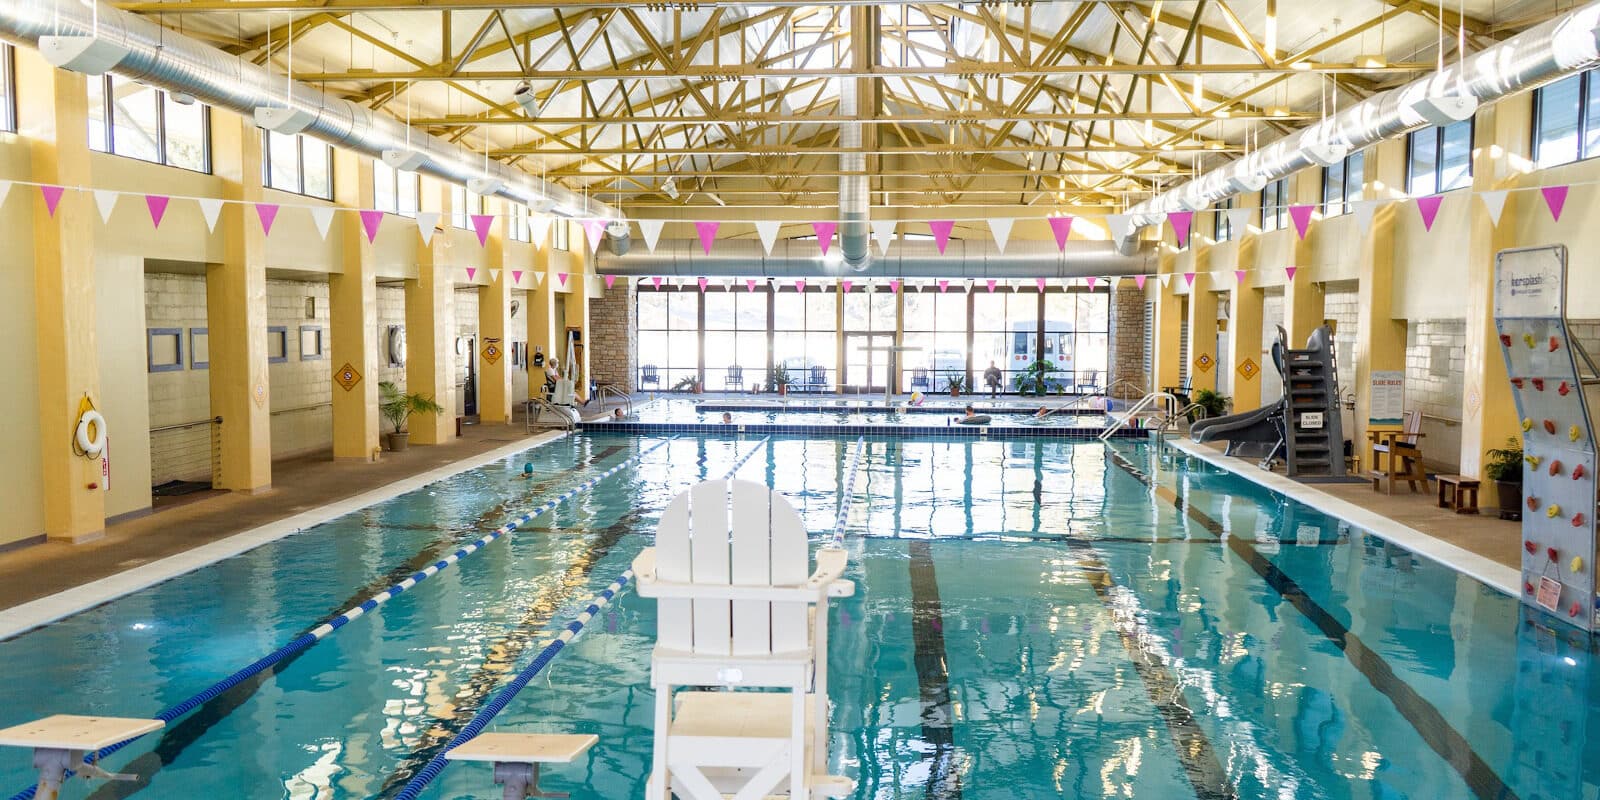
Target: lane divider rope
[849, 492]
[502, 698]
[306, 640]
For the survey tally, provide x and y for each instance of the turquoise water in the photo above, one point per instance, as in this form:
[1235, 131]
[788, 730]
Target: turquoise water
[684, 411]
[1033, 619]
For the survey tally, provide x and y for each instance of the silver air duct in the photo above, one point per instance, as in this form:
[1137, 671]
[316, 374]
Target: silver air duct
[1537, 56]
[963, 259]
[854, 238]
[174, 62]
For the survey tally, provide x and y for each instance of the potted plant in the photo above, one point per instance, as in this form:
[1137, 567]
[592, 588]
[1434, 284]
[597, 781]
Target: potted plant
[397, 407]
[1215, 405]
[779, 380]
[955, 384]
[690, 383]
[1504, 467]
[1035, 378]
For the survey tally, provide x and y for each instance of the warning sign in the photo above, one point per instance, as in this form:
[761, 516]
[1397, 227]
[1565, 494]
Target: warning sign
[1248, 368]
[1204, 362]
[491, 350]
[347, 377]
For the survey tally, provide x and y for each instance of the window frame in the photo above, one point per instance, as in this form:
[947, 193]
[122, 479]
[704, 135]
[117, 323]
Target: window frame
[300, 163]
[108, 121]
[1343, 197]
[1221, 226]
[1278, 210]
[1581, 129]
[1438, 132]
[395, 206]
[8, 86]
[561, 234]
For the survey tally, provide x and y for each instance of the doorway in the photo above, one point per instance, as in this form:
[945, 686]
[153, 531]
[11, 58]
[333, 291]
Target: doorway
[469, 389]
[866, 369]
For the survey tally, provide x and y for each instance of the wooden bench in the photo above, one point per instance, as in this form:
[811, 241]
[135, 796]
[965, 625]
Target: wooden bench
[1458, 492]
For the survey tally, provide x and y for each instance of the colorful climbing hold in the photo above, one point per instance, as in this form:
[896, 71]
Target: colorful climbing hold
[1578, 472]
[1552, 512]
[1531, 547]
[1555, 467]
[1527, 338]
[1517, 382]
[1577, 522]
[1573, 433]
[1533, 461]
[1533, 505]
[1527, 424]
[1563, 389]
[1550, 427]
[1527, 587]
[1551, 552]
[1555, 344]
[1505, 339]
[1576, 607]
[1538, 383]
[1577, 562]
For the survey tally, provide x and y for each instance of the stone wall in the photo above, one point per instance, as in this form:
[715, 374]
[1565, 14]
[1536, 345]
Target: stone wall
[613, 352]
[1127, 343]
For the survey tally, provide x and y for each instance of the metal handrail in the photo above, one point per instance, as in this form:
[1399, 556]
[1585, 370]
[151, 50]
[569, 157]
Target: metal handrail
[607, 390]
[1146, 402]
[217, 420]
[1123, 382]
[536, 408]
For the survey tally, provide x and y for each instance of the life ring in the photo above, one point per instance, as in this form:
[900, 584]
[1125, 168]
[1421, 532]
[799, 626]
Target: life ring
[87, 421]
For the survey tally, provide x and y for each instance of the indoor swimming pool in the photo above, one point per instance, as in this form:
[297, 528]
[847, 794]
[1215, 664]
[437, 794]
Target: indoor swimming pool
[1033, 618]
[801, 411]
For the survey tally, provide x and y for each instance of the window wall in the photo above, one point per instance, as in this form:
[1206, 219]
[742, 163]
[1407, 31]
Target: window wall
[1566, 120]
[8, 88]
[805, 337]
[138, 121]
[394, 191]
[1439, 159]
[1005, 334]
[869, 326]
[735, 339]
[1077, 338]
[1275, 205]
[1224, 226]
[297, 164]
[937, 323]
[463, 204]
[1341, 184]
[669, 337]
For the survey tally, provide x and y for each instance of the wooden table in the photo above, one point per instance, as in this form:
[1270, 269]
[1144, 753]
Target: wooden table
[1458, 492]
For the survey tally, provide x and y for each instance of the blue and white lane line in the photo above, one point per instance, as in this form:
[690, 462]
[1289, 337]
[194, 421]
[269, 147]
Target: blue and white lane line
[502, 698]
[849, 492]
[306, 640]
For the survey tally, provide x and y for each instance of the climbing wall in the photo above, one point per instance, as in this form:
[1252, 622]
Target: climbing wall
[1558, 530]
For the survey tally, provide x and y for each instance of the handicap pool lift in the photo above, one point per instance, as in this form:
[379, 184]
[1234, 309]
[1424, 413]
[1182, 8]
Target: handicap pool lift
[565, 396]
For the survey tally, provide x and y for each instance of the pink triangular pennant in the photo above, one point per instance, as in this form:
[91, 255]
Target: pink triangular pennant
[990, 283]
[266, 212]
[941, 236]
[708, 234]
[1429, 206]
[1138, 280]
[157, 204]
[799, 284]
[657, 281]
[943, 285]
[1301, 215]
[1238, 275]
[750, 284]
[516, 276]
[594, 229]
[611, 280]
[1062, 228]
[1290, 271]
[894, 285]
[1040, 283]
[1091, 281]
[52, 197]
[480, 226]
[472, 273]
[370, 220]
[845, 285]
[1188, 278]
[1556, 198]
[1180, 222]
[824, 231]
[562, 276]
[702, 282]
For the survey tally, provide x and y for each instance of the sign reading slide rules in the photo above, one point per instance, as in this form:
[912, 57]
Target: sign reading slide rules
[1388, 403]
[1528, 283]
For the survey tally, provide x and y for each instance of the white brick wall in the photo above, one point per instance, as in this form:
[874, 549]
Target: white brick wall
[181, 396]
[1435, 364]
[302, 390]
[1341, 302]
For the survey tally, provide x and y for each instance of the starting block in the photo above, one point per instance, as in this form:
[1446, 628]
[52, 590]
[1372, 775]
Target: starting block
[517, 756]
[61, 742]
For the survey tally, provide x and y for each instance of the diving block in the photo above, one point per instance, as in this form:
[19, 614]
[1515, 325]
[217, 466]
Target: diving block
[517, 756]
[60, 742]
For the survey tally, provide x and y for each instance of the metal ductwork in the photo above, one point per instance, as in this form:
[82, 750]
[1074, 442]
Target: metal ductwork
[962, 259]
[854, 238]
[169, 60]
[1542, 54]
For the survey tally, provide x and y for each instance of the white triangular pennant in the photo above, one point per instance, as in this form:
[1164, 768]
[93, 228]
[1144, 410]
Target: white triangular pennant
[5, 190]
[426, 222]
[323, 217]
[1001, 228]
[538, 279]
[651, 228]
[883, 233]
[1120, 225]
[494, 275]
[210, 208]
[1238, 221]
[767, 229]
[1494, 203]
[106, 201]
[1363, 210]
[538, 229]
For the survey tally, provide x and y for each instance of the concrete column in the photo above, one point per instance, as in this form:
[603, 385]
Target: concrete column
[236, 312]
[1302, 298]
[494, 320]
[1203, 328]
[577, 300]
[1166, 329]
[353, 316]
[64, 295]
[431, 324]
[1380, 338]
[1488, 412]
[1127, 338]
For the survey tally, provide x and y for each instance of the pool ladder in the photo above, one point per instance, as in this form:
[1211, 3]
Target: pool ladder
[606, 391]
[1154, 400]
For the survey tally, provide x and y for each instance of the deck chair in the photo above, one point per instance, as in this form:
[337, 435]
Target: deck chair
[649, 375]
[919, 381]
[735, 378]
[1403, 452]
[736, 612]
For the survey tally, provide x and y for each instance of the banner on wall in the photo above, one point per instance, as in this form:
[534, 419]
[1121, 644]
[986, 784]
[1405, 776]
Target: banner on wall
[1388, 405]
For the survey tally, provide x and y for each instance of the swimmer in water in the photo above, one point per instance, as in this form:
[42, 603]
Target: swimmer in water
[727, 418]
[617, 414]
[1044, 411]
[527, 471]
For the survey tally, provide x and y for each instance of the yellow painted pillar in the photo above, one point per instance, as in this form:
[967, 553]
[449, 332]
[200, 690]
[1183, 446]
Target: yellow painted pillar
[494, 317]
[1488, 413]
[64, 295]
[431, 325]
[1244, 347]
[236, 312]
[542, 320]
[577, 301]
[353, 315]
[1380, 338]
[1203, 329]
[1302, 298]
[1166, 328]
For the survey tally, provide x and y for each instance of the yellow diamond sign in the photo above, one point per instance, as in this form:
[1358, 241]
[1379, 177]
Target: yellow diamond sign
[1204, 362]
[491, 350]
[1248, 368]
[347, 377]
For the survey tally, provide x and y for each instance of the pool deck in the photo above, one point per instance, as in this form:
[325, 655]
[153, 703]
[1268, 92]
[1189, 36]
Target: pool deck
[49, 580]
[1481, 545]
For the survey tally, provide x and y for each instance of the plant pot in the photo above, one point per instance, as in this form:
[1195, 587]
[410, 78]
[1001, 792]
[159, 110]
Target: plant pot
[783, 390]
[1510, 493]
[397, 441]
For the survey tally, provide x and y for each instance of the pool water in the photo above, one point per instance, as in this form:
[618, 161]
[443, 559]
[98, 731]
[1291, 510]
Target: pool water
[1032, 619]
[665, 410]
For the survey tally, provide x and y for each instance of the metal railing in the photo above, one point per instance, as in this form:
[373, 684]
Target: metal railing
[1124, 383]
[1148, 401]
[606, 390]
[536, 408]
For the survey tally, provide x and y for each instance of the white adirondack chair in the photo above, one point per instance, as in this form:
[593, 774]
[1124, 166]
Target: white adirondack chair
[737, 610]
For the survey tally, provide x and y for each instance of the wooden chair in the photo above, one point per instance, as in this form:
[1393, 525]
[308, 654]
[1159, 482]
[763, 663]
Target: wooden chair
[1404, 455]
[736, 611]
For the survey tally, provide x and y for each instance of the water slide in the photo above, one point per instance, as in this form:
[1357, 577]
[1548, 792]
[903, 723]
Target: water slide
[1260, 429]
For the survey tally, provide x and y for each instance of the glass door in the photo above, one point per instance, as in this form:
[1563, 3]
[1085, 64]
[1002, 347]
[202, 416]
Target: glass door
[866, 368]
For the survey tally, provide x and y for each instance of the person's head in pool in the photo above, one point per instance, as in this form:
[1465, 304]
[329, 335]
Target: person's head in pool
[727, 418]
[617, 414]
[971, 412]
